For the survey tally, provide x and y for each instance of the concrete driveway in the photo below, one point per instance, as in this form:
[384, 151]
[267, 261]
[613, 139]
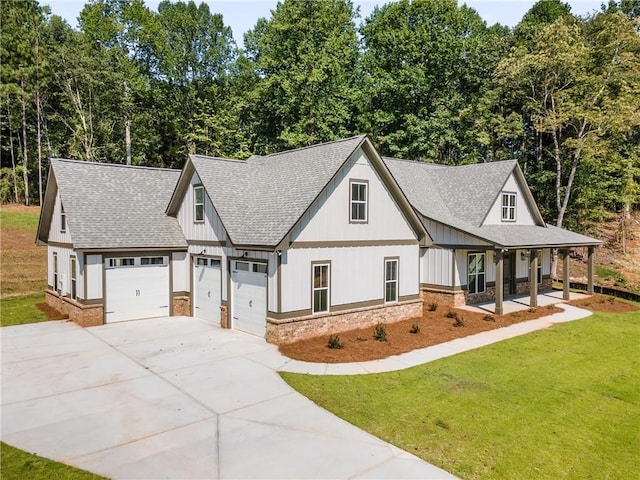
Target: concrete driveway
[176, 398]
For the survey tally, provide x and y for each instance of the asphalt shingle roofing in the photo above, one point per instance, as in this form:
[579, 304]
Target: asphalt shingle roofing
[461, 196]
[260, 199]
[116, 206]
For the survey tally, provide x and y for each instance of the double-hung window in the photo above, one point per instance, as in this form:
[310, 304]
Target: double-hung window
[198, 203]
[391, 280]
[74, 278]
[63, 219]
[359, 201]
[508, 207]
[320, 287]
[476, 273]
[55, 271]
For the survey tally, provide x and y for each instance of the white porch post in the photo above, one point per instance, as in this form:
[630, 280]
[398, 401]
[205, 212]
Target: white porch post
[565, 274]
[533, 282]
[499, 282]
[590, 262]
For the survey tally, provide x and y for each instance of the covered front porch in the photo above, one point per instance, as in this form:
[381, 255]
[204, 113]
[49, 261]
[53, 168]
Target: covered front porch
[515, 303]
[533, 299]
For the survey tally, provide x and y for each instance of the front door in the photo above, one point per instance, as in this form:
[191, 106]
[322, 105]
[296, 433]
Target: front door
[509, 273]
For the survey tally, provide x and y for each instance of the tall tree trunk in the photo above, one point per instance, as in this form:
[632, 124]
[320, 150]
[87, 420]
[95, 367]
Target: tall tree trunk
[25, 162]
[127, 124]
[39, 140]
[13, 158]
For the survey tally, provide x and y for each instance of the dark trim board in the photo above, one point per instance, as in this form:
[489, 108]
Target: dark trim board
[60, 245]
[353, 243]
[208, 243]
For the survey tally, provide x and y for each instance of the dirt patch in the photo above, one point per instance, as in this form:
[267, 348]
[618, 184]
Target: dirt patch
[434, 328]
[50, 312]
[604, 303]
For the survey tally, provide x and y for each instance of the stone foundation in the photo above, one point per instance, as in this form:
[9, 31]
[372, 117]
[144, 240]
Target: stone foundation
[449, 298]
[83, 315]
[224, 316]
[182, 306]
[489, 295]
[289, 330]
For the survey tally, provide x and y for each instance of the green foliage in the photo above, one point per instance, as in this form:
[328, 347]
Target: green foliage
[605, 272]
[415, 328]
[334, 342]
[433, 306]
[451, 314]
[18, 464]
[586, 409]
[21, 310]
[380, 332]
[489, 318]
[459, 321]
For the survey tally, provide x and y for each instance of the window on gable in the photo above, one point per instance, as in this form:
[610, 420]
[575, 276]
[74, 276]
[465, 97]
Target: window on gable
[63, 219]
[476, 273]
[508, 207]
[74, 278]
[391, 280]
[320, 288]
[198, 203]
[359, 201]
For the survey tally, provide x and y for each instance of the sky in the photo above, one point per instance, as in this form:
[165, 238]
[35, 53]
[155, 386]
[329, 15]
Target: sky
[242, 15]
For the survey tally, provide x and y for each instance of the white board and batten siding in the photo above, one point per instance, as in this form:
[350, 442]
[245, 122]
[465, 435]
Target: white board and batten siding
[211, 229]
[436, 266]
[367, 263]
[328, 217]
[523, 213]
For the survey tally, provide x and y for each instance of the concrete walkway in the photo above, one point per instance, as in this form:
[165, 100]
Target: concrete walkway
[429, 354]
[176, 398]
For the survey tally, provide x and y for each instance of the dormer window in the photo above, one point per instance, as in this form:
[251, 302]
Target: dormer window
[63, 219]
[359, 201]
[508, 207]
[198, 203]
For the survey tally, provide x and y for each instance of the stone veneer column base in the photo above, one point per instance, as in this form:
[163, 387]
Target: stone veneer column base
[224, 316]
[83, 315]
[182, 306]
[289, 330]
[450, 298]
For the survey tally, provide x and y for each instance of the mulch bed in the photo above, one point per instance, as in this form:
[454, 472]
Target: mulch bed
[50, 312]
[604, 303]
[435, 327]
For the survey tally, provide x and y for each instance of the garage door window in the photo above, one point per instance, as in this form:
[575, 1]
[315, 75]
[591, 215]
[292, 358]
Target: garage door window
[260, 268]
[242, 266]
[152, 261]
[321, 288]
[121, 262]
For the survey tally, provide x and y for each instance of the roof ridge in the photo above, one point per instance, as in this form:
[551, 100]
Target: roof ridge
[314, 145]
[108, 164]
[220, 159]
[417, 162]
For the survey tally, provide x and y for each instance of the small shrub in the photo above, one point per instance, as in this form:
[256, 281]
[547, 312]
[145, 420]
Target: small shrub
[621, 281]
[380, 333]
[489, 318]
[334, 342]
[415, 328]
[433, 306]
[451, 314]
[532, 309]
[459, 322]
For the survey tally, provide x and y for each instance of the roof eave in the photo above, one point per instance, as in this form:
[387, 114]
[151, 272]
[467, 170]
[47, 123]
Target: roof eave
[46, 212]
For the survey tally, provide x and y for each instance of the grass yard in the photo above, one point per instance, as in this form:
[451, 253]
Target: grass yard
[21, 310]
[559, 403]
[19, 465]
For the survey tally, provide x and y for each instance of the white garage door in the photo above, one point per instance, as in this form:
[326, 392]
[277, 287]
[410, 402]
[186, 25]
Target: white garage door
[207, 282]
[136, 287]
[249, 297]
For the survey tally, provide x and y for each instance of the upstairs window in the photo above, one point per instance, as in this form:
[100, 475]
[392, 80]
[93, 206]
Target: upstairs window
[359, 201]
[63, 219]
[508, 207]
[198, 203]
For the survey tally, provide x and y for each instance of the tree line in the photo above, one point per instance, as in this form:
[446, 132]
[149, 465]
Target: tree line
[428, 80]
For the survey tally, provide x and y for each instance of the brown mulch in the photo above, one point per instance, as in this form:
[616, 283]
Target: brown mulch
[604, 303]
[435, 327]
[50, 312]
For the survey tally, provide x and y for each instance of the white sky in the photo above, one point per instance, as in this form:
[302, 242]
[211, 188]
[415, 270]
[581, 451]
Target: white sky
[242, 15]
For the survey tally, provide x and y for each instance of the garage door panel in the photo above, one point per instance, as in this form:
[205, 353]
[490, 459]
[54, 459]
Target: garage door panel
[249, 300]
[137, 292]
[208, 289]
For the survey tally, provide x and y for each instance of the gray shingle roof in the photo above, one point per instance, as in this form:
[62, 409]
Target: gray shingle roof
[117, 206]
[462, 196]
[259, 200]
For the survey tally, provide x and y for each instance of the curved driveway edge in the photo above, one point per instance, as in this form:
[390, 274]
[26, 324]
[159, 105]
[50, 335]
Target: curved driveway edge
[176, 398]
[435, 352]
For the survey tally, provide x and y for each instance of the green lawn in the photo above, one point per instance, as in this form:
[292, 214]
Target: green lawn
[559, 403]
[21, 310]
[19, 465]
[25, 220]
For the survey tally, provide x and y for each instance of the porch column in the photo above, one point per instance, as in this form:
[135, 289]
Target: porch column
[565, 275]
[533, 281]
[590, 270]
[499, 282]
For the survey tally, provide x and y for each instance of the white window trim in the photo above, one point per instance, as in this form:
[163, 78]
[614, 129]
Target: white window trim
[483, 273]
[63, 219]
[73, 278]
[388, 261]
[315, 289]
[364, 202]
[506, 209]
[196, 204]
